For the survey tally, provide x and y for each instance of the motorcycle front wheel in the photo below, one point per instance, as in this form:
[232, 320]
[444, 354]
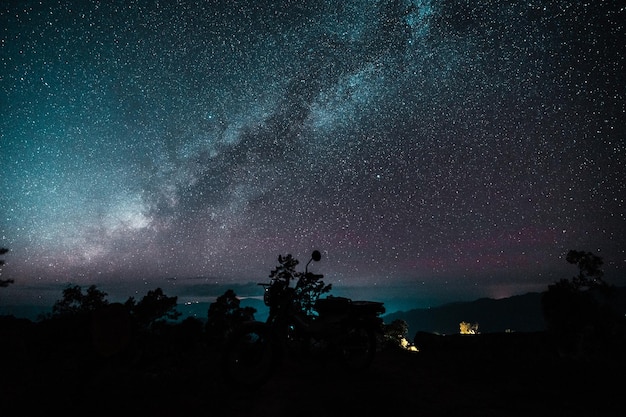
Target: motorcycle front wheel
[250, 355]
[359, 347]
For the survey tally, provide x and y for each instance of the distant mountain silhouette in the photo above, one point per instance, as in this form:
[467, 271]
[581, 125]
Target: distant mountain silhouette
[26, 311]
[520, 313]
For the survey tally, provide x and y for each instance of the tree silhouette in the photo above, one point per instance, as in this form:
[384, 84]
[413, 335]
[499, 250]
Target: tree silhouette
[395, 332]
[4, 282]
[154, 308]
[74, 302]
[225, 314]
[577, 312]
[308, 290]
[286, 268]
[589, 272]
[308, 287]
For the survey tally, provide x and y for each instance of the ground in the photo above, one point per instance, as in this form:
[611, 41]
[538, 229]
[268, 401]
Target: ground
[479, 375]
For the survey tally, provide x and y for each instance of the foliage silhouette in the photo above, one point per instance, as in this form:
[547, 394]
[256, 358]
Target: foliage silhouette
[589, 269]
[224, 314]
[578, 312]
[111, 329]
[394, 333]
[308, 288]
[4, 282]
[75, 302]
[154, 309]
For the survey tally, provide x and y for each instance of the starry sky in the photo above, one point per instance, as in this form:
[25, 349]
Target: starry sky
[432, 150]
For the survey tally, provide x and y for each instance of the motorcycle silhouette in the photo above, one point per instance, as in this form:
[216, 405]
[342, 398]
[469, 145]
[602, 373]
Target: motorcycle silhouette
[308, 331]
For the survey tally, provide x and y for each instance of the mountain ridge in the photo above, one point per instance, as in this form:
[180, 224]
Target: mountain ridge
[515, 313]
[518, 313]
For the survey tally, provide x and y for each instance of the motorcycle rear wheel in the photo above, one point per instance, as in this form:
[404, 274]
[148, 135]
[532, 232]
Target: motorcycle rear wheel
[250, 355]
[358, 348]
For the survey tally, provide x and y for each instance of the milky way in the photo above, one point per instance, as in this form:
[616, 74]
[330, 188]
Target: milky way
[439, 149]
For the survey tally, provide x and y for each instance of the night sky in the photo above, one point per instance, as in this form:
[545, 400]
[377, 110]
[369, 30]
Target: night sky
[432, 150]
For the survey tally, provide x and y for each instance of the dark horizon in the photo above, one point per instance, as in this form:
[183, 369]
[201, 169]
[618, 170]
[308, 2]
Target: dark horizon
[397, 297]
[199, 309]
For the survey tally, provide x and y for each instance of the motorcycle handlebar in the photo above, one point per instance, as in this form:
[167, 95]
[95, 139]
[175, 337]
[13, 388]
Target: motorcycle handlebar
[314, 276]
[317, 276]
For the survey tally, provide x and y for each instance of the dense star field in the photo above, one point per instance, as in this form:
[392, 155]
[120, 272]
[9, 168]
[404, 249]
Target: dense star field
[432, 150]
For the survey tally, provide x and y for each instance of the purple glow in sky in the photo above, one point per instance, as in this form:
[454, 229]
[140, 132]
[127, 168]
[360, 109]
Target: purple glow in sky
[432, 150]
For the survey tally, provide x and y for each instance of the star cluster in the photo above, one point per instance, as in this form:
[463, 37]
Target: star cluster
[431, 149]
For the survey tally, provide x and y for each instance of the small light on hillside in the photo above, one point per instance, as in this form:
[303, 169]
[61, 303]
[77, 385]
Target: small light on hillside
[467, 328]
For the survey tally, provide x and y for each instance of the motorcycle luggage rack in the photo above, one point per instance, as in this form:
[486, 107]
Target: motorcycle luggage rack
[372, 307]
[339, 305]
[333, 305]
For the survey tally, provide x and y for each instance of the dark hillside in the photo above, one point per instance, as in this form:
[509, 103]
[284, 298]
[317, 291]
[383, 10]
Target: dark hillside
[53, 368]
[520, 313]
